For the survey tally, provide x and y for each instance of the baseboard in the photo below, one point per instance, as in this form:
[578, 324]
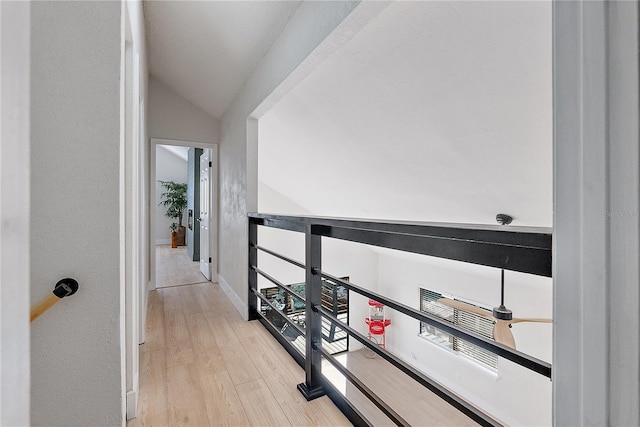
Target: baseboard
[235, 300]
[132, 403]
[163, 242]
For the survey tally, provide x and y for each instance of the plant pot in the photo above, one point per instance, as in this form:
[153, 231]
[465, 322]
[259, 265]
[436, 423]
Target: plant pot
[174, 239]
[180, 235]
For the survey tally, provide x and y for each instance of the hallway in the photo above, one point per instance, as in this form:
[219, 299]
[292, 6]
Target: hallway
[202, 364]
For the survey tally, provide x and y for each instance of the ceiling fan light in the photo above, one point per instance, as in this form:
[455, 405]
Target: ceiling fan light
[502, 313]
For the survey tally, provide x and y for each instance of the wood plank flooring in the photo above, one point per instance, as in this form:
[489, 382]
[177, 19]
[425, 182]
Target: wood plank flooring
[202, 365]
[174, 267]
[415, 403]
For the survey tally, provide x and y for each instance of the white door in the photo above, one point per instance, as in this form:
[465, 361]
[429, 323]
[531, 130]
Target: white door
[205, 205]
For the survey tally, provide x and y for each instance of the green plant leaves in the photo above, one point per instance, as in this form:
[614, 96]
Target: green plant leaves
[174, 199]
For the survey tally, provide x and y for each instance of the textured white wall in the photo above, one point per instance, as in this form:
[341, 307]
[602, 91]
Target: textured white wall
[173, 117]
[75, 130]
[169, 167]
[309, 27]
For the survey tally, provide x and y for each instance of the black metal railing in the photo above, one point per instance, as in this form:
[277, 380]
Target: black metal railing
[519, 249]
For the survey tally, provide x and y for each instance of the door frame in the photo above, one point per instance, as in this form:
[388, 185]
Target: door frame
[130, 217]
[596, 240]
[213, 208]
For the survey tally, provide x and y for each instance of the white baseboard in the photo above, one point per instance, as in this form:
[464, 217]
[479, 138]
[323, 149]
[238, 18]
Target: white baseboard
[163, 242]
[235, 299]
[132, 403]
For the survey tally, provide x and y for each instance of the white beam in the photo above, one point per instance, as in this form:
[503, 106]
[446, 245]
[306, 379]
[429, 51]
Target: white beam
[596, 214]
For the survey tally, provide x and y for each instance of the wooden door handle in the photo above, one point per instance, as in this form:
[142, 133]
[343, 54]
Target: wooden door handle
[64, 288]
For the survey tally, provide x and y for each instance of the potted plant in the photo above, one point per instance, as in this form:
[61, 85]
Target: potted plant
[175, 200]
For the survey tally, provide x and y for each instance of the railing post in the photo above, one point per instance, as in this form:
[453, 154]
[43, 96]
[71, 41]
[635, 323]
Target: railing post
[312, 387]
[253, 275]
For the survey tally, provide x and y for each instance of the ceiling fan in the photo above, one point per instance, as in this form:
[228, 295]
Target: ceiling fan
[502, 316]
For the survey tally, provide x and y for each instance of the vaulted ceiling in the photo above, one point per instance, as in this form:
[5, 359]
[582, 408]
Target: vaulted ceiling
[205, 50]
[435, 111]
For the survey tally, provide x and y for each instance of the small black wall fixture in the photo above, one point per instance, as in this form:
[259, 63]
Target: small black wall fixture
[504, 219]
[64, 288]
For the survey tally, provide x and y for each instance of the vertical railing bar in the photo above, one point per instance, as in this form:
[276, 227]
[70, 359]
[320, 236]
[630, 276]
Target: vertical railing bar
[312, 387]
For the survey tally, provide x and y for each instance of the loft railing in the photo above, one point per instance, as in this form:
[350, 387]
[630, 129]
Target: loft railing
[522, 249]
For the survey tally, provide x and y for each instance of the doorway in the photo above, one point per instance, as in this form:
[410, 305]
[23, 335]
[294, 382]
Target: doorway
[191, 167]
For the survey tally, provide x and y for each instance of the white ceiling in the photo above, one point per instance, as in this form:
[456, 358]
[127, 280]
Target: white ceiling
[181, 152]
[435, 111]
[205, 50]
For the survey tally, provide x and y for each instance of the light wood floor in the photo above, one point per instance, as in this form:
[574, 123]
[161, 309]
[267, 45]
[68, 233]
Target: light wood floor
[416, 404]
[174, 267]
[203, 365]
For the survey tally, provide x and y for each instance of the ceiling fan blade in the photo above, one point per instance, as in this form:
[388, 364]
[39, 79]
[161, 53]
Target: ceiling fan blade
[465, 307]
[530, 319]
[502, 333]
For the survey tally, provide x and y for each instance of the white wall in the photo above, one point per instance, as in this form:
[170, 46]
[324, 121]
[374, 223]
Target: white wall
[500, 393]
[456, 133]
[169, 167]
[173, 117]
[14, 215]
[75, 132]
[308, 28]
